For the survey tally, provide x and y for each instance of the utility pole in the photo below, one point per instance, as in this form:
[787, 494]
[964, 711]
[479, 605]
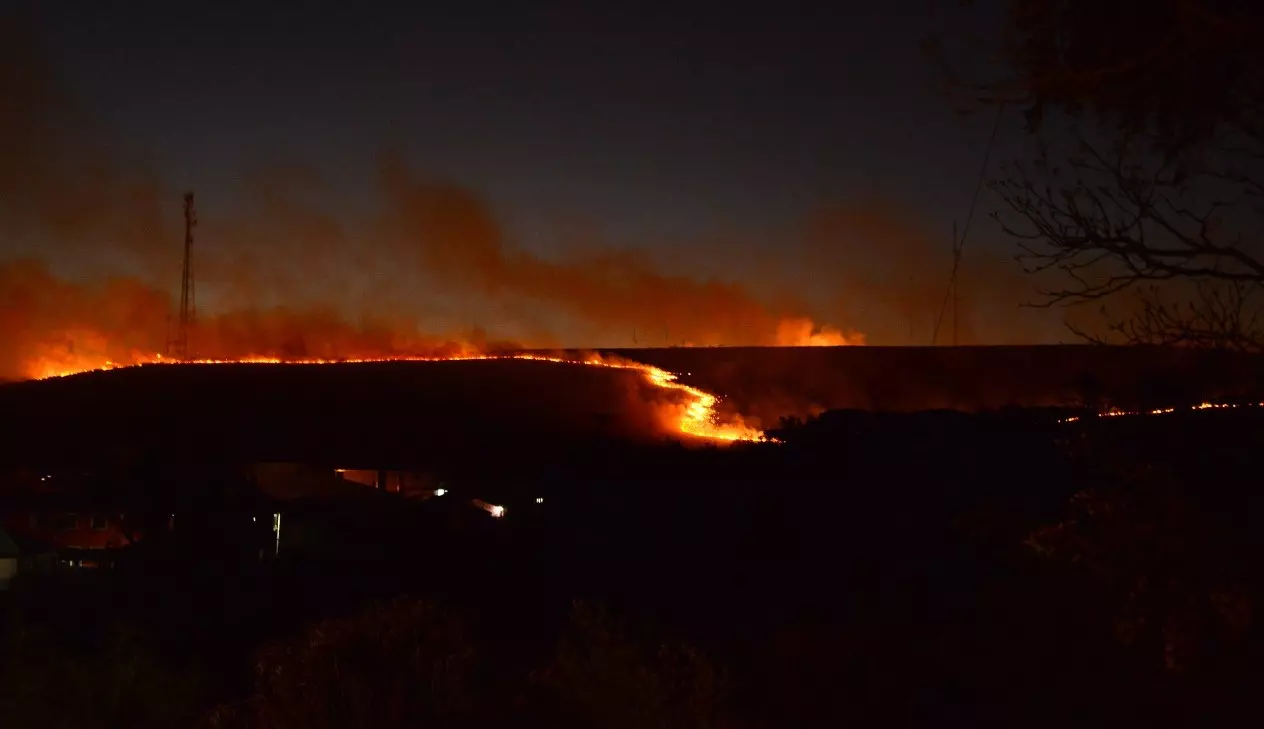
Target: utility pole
[188, 307]
[959, 242]
[956, 266]
[950, 296]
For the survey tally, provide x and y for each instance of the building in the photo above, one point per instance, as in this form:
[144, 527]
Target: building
[78, 538]
[248, 512]
[18, 557]
[413, 484]
[67, 530]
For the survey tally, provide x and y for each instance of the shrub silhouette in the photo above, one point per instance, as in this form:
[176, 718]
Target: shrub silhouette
[601, 677]
[402, 663]
[47, 683]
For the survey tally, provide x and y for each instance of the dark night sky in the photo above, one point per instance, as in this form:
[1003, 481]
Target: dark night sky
[653, 125]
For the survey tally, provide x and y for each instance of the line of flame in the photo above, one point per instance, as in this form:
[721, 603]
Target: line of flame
[1116, 413]
[698, 418]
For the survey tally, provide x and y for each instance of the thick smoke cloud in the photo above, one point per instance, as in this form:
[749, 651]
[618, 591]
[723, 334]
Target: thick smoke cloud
[455, 236]
[892, 272]
[61, 186]
[90, 245]
[91, 240]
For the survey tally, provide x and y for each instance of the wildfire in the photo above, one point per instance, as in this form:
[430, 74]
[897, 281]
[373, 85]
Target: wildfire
[1116, 413]
[805, 333]
[697, 418]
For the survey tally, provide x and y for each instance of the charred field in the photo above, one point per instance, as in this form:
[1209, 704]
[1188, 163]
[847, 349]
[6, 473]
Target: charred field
[981, 551]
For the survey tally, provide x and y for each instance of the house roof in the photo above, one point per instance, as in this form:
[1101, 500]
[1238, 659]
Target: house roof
[294, 482]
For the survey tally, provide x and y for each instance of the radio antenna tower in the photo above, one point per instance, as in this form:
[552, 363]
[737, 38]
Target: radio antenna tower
[188, 307]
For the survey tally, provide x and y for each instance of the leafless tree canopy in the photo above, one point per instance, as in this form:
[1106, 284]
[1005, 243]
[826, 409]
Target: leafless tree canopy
[1180, 69]
[1218, 316]
[1152, 180]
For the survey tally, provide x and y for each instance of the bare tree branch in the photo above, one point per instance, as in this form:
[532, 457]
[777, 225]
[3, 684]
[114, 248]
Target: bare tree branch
[1219, 316]
[1164, 193]
[1118, 217]
[1114, 218]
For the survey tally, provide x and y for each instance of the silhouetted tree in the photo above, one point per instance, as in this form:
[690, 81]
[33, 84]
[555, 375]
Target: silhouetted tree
[402, 663]
[1167, 569]
[1120, 217]
[1218, 316]
[1089, 391]
[47, 682]
[1157, 389]
[1181, 71]
[1156, 185]
[602, 677]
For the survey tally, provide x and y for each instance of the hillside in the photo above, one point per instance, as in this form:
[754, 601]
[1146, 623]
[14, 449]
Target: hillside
[508, 413]
[772, 382]
[349, 414]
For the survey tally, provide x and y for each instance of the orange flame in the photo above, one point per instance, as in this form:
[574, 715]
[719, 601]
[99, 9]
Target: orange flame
[80, 349]
[697, 418]
[1117, 413]
[804, 333]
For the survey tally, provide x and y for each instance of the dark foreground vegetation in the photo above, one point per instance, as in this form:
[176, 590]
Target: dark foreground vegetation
[999, 569]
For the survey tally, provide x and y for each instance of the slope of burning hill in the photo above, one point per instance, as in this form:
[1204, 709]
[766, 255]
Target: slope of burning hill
[767, 383]
[400, 413]
[503, 413]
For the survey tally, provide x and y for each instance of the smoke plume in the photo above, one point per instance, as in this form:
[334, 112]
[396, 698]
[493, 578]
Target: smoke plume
[892, 273]
[90, 256]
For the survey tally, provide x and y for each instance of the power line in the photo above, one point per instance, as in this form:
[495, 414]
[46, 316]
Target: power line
[188, 305]
[958, 244]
